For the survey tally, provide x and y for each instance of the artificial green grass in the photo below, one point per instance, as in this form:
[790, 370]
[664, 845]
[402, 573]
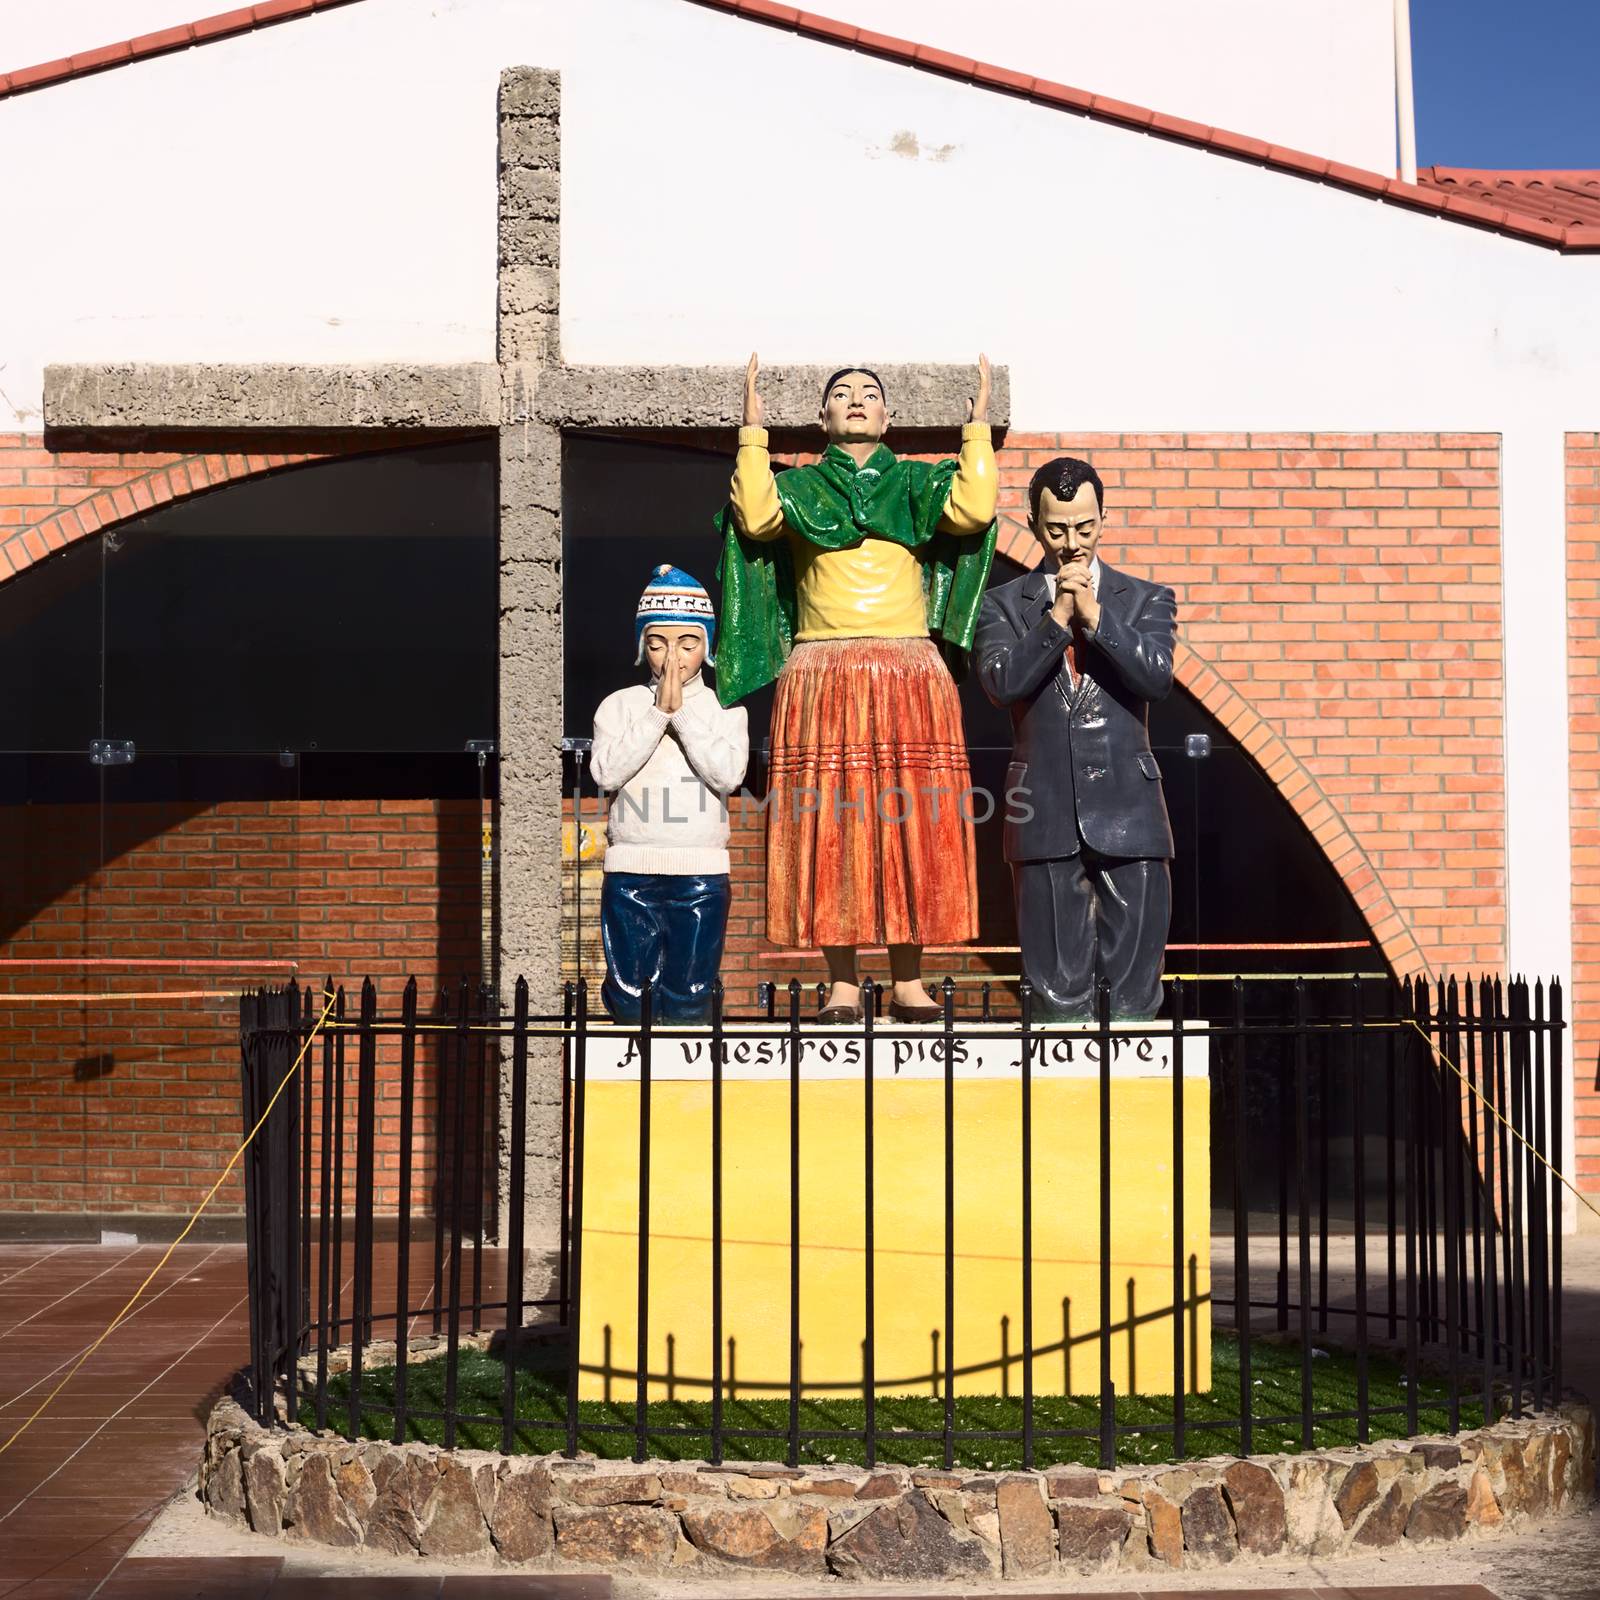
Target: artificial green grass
[541, 1411]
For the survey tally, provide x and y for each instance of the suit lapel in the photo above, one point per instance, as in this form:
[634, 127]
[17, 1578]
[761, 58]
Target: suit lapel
[1112, 581]
[1036, 600]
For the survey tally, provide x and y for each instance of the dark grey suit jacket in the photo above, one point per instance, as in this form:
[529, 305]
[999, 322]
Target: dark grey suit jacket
[1081, 758]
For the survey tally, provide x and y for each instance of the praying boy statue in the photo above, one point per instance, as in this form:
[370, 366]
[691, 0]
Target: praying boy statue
[1077, 651]
[671, 755]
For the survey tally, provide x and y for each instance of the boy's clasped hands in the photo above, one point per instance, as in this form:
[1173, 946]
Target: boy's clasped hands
[669, 686]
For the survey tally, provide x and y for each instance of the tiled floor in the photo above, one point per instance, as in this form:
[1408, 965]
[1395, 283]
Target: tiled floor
[86, 1479]
[1424, 1592]
[252, 1578]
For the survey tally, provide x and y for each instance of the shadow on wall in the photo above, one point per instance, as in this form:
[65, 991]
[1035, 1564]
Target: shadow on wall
[1055, 1368]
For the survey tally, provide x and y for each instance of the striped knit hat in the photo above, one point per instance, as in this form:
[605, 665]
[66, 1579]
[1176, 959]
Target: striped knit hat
[673, 599]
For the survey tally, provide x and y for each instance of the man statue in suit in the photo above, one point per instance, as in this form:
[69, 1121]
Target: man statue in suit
[1077, 651]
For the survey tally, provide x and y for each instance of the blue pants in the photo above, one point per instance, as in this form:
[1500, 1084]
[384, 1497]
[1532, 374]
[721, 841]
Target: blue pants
[666, 929]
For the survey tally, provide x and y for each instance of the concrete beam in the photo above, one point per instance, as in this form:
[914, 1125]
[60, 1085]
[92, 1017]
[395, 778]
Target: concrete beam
[270, 397]
[283, 398]
[921, 396]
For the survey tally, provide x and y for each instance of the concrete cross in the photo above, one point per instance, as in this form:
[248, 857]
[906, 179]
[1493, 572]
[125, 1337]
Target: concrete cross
[529, 397]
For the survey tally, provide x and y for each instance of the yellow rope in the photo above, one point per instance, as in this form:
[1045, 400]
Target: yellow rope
[117, 1320]
[1494, 1110]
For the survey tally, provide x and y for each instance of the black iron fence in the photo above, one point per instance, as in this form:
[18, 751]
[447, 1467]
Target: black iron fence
[388, 1189]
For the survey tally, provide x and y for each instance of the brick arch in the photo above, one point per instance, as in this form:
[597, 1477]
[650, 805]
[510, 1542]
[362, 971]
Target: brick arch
[50, 499]
[1286, 772]
[1016, 543]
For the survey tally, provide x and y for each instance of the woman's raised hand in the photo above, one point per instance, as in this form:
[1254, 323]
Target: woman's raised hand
[977, 410]
[755, 412]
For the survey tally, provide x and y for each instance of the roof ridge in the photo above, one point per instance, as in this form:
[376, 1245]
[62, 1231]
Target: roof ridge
[1454, 207]
[181, 36]
[1515, 174]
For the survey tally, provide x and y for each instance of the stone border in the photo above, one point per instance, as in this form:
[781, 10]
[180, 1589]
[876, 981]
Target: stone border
[895, 1522]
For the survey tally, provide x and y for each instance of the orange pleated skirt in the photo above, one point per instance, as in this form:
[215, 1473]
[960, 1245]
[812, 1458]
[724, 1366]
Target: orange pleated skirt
[869, 819]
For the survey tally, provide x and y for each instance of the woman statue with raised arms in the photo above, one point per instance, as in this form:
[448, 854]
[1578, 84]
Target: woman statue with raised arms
[856, 583]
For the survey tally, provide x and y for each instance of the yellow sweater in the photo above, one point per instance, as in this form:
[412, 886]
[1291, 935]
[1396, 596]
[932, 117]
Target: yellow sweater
[875, 589]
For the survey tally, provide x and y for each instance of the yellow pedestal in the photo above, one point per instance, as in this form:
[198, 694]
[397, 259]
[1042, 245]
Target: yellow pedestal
[909, 1220]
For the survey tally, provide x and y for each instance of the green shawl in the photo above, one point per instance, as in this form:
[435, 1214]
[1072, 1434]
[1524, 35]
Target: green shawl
[836, 505]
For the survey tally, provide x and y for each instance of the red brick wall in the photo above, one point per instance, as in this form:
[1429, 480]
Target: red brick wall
[1340, 606]
[135, 1106]
[52, 498]
[1583, 684]
[1340, 614]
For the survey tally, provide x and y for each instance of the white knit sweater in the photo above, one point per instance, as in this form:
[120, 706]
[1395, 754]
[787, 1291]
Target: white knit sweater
[669, 777]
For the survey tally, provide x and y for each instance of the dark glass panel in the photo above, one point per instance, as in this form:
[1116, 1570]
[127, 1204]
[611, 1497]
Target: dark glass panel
[626, 507]
[50, 846]
[351, 604]
[50, 652]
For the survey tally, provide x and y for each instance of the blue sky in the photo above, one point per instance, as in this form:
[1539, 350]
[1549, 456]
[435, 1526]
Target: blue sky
[1506, 83]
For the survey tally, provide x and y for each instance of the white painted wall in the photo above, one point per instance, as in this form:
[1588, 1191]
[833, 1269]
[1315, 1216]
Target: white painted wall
[325, 190]
[1315, 75]
[31, 33]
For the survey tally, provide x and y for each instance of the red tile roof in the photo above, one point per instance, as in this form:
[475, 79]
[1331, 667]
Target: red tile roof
[1563, 199]
[1558, 209]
